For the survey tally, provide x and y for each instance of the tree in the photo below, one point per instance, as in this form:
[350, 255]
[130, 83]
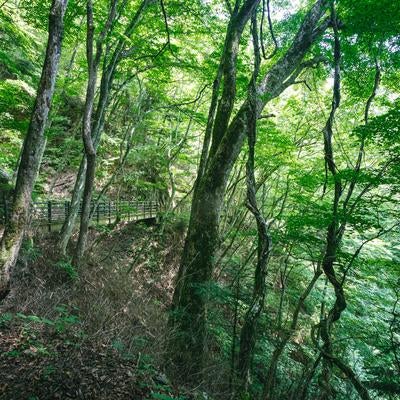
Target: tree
[189, 302]
[93, 60]
[32, 149]
[115, 53]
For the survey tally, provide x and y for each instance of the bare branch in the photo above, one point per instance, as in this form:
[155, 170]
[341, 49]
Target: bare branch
[168, 43]
[271, 30]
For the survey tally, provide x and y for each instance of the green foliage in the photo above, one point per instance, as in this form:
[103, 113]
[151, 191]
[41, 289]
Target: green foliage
[162, 94]
[65, 265]
[161, 396]
[18, 47]
[5, 318]
[384, 130]
[31, 251]
[64, 320]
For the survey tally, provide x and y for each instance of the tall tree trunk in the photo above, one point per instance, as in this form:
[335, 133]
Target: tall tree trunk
[32, 148]
[188, 316]
[249, 329]
[189, 303]
[90, 151]
[77, 193]
[334, 235]
[86, 206]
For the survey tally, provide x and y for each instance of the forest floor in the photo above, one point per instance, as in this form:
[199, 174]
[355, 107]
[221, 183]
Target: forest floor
[93, 333]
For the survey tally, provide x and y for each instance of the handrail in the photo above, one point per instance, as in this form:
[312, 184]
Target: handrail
[51, 212]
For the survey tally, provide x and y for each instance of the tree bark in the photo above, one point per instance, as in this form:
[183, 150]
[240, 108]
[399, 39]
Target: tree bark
[69, 223]
[32, 148]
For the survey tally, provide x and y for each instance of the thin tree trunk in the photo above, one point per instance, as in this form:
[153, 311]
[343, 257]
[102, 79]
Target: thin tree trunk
[283, 279]
[334, 235]
[85, 213]
[32, 148]
[303, 392]
[93, 60]
[232, 371]
[271, 374]
[248, 332]
[69, 223]
[394, 327]
[107, 78]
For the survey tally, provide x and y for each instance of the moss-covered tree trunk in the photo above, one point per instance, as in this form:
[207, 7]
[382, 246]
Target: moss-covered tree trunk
[188, 316]
[32, 148]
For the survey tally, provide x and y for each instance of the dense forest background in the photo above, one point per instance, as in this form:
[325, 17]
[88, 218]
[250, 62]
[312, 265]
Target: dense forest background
[264, 134]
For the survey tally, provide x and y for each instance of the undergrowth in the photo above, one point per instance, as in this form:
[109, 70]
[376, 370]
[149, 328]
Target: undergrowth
[112, 310]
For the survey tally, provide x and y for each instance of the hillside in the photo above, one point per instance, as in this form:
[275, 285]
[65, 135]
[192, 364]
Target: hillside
[97, 333]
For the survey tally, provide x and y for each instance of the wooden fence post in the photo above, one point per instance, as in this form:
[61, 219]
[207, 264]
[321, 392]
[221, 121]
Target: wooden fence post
[49, 214]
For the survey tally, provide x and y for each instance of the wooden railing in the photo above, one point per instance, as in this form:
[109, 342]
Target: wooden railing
[54, 212]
